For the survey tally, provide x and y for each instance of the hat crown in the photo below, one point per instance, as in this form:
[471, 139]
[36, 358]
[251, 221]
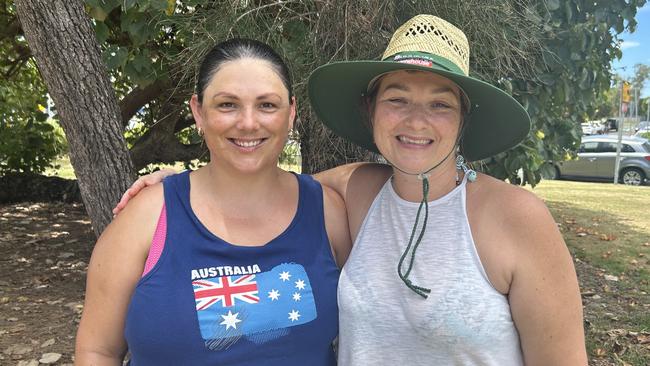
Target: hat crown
[430, 34]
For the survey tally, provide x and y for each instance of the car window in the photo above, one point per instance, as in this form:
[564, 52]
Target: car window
[627, 148]
[607, 147]
[588, 147]
[646, 146]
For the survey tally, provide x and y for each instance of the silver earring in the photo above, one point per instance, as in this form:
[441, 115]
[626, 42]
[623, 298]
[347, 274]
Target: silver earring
[462, 165]
[200, 131]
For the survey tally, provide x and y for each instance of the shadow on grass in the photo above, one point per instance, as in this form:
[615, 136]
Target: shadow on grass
[611, 260]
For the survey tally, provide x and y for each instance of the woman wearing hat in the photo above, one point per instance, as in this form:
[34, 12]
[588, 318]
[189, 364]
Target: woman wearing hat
[448, 266]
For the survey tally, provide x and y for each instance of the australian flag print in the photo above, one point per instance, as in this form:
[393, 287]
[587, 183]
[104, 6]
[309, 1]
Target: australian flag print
[260, 307]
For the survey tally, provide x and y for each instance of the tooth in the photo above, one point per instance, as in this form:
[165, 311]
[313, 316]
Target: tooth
[247, 143]
[411, 141]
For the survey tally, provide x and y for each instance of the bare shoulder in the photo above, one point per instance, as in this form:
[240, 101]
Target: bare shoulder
[332, 198]
[364, 185]
[133, 228]
[366, 181]
[336, 224]
[542, 286]
[510, 203]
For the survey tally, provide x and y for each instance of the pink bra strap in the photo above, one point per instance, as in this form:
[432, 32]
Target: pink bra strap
[158, 242]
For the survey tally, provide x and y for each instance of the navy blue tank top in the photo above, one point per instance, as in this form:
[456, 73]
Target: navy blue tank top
[209, 302]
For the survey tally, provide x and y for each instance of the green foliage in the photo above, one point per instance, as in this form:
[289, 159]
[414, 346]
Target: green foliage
[290, 155]
[554, 56]
[29, 147]
[641, 76]
[645, 135]
[29, 142]
[132, 40]
[573, 78]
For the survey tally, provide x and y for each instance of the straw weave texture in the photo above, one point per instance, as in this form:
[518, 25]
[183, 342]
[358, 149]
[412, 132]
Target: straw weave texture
[428, 33]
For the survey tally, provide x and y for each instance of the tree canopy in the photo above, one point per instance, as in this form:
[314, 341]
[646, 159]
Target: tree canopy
[553, 56]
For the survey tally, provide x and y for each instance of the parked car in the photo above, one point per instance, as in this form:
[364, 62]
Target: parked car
[588, 129]
[597, 158]
[611, 124]
[642, 128]
[592, 128]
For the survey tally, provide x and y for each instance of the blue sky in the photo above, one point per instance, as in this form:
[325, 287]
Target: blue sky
[636, 47]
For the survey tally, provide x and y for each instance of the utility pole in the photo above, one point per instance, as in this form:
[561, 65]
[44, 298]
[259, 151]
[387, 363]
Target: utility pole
[636, 105]
[625, 98]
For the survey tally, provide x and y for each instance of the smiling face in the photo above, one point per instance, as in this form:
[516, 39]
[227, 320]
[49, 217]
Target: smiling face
[245, 114]
[416, 119]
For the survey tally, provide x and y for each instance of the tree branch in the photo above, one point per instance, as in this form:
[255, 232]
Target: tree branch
[138, 97]
[160, 145]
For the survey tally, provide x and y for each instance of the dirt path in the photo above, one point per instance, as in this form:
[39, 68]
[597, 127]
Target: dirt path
[44, 251]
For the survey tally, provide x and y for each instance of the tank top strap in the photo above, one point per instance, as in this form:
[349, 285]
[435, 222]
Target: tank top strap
[177, 201]
[311, 199]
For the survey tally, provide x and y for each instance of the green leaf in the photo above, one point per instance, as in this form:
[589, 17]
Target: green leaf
[101, 31]
[568, 11]
[159, 4]
[553, 4]
[115, 57]
[98, 14]
[547, 79]
[128, 4]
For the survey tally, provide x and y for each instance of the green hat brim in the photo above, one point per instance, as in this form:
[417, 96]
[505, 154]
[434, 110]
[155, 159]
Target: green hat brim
[496, 122]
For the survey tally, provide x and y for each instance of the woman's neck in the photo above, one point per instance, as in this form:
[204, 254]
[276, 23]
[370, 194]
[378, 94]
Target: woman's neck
[241, 190]
[442, 180]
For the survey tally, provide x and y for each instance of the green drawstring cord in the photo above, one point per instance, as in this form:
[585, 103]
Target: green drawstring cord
[422, 291]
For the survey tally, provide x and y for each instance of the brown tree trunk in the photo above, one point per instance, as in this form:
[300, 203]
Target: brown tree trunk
[68, 56]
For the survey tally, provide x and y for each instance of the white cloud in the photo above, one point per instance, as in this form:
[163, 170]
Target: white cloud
[629, 44]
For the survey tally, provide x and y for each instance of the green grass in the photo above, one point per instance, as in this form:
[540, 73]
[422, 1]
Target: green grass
[607, 229]
[63, 168]
[607, 225]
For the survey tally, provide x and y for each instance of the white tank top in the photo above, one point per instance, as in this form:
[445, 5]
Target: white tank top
[465, 320]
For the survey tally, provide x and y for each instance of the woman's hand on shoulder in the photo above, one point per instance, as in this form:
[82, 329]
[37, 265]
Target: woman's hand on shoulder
[114, 269]
[544, 295]
[139, 184]
[336, 224]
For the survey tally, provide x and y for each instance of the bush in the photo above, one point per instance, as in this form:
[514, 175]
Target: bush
[29, 147]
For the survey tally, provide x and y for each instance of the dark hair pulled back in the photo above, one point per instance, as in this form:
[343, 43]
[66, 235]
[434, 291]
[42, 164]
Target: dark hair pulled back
[236, 49]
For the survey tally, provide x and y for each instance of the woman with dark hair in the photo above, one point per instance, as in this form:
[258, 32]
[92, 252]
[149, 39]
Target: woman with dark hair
[236, 263]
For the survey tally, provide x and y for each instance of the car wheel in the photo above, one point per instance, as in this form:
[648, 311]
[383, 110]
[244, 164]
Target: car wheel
[553, 173]
[632, 176]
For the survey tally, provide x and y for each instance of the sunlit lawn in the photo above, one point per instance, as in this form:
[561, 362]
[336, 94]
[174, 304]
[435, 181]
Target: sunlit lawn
[615, 219]
[607, 229]
[64, 169]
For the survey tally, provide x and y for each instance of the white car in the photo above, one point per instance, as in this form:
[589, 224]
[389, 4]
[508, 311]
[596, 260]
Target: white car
[642, 128]
[589, 128]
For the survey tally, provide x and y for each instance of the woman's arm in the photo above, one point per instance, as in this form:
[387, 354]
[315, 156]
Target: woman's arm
[544, 295]
[115, 267]
[336, 224]
[142, 182]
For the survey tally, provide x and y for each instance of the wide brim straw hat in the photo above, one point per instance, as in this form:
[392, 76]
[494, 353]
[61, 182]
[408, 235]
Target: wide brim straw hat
[496, 122]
